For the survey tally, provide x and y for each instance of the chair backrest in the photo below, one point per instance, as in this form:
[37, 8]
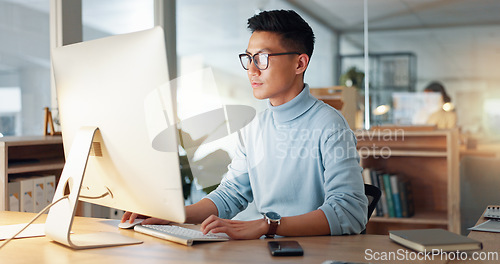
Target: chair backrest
[373, 194]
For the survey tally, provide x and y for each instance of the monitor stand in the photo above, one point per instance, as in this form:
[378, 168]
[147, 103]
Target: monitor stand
[61, 215]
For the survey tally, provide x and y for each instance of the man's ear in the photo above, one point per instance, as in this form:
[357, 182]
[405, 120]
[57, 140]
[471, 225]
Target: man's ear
[302, 64]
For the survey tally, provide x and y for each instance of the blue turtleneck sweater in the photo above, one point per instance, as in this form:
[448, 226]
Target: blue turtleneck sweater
[293, 159]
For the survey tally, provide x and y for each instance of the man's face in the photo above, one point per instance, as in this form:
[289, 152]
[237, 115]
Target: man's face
[278, 81]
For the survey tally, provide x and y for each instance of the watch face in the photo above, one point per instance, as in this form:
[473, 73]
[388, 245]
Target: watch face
[273, 216]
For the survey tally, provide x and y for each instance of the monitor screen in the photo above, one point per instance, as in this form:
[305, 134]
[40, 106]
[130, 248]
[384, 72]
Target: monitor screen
[414, 108]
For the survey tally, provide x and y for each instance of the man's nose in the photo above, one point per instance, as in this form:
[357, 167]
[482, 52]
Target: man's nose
[252, 69]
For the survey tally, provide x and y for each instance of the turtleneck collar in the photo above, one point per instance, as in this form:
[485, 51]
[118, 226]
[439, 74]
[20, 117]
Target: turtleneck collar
[293, 108]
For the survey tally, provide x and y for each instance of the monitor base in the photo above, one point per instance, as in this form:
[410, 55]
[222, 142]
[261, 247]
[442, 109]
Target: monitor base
[60, 218]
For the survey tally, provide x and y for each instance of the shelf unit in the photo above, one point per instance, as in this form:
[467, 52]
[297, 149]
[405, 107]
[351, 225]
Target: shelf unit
[28, 156]
[430, 159]
[342, 98]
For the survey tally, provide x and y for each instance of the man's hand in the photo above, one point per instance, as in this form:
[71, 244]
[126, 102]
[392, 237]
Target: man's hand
[149, 221]
[235, 229]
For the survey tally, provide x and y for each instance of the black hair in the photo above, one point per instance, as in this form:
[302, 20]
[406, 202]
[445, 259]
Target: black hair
[295, 33]
[439, 88]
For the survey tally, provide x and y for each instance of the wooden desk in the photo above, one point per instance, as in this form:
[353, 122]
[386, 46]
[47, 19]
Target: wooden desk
[316, 249]
[489, 151]
[491, 241]
[491, 244]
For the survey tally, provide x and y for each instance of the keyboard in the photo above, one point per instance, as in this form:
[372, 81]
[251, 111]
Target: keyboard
[178, 234]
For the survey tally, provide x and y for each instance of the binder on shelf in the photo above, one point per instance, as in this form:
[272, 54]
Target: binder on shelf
[27, 200]
[14, 196]
[39, 199]
[50, 188]
[35, 192]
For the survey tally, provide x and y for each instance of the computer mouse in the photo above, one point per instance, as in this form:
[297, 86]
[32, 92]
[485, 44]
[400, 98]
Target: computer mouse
[128, 225]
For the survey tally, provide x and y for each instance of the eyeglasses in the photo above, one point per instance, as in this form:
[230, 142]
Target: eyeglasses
[261, 60]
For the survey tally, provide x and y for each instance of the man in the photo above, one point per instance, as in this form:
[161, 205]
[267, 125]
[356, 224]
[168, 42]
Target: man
[297, 160]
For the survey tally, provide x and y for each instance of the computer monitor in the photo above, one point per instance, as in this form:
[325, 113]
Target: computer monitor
[115, 103]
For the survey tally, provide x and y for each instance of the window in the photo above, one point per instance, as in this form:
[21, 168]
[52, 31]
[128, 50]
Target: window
[24, 66]
[111, 17]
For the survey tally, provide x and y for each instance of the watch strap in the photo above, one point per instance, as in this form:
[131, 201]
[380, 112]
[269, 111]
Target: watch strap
[273, 226]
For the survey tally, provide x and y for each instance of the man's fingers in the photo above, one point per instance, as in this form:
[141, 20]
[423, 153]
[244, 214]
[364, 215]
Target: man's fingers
[222, 229]
[130, 216]
[215, 223]
[133, 217]
[207, 221]
[126, 216]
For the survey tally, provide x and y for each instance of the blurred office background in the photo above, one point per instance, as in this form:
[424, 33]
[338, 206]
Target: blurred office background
[411, 43]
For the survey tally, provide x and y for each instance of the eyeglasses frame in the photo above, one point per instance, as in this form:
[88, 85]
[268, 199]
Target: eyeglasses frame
[252, 58]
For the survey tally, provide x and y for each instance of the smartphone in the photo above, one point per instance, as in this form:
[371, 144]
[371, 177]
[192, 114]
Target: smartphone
[285, 248]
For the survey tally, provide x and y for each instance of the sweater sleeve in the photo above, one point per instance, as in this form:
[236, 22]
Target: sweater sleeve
[345, 204]
[234, 192]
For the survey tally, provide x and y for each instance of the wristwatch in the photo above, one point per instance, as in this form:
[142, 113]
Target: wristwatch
[273, 219]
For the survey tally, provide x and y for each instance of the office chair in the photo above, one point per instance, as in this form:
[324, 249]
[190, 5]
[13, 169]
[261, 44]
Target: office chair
[373, 194]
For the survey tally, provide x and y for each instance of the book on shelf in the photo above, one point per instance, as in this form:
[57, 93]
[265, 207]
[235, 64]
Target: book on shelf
[366, 176]
[389, 195]
[434, 239]
[383, 201]
[396, 195]
[368, 180]
[406, 196]
[396, 198]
